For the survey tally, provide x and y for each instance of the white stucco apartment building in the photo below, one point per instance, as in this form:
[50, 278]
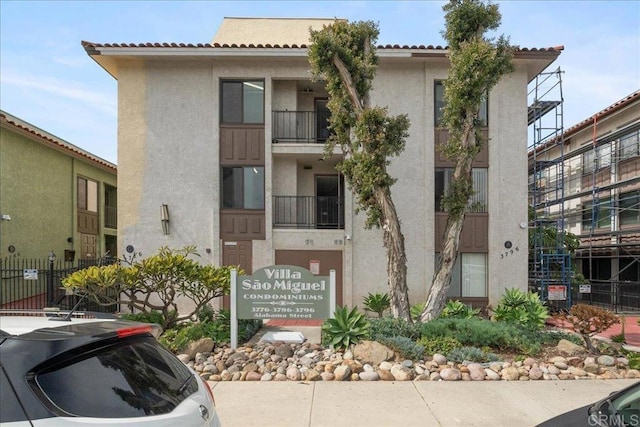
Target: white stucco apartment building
[228, 135]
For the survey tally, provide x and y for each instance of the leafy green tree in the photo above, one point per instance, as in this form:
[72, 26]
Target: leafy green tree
[477, 64]
[154, 284]
[343, 55]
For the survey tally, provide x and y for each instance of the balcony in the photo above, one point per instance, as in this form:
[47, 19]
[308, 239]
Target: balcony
[310, 212]
[110, 217]
[300, 127]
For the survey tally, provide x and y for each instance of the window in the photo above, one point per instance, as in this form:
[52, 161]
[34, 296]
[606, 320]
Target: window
[588, 162]
[87, 195]
[478, 202]
[243, 187]
[629, 208]
[440, 103]
[596, 159]
[630, 145]
[469, 276]
[243, 101]
[602, 212]
[133, 378]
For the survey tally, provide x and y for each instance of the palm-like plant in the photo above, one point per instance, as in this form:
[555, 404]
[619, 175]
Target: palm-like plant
[345, 328]
[377, 303]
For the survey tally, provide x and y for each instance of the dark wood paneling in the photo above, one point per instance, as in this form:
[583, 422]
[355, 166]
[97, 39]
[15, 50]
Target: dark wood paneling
[242, 146]
[481, 160]
[237, 253]
[329, 260]
[475, 232]
[87, 222]
[242, 225]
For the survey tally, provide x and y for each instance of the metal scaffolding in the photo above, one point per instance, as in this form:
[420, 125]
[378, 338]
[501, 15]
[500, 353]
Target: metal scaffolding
[550, 270]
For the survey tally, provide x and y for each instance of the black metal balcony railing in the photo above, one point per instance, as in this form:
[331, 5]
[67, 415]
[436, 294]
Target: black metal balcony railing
[110, 217]
[308, 212]
[304, 127]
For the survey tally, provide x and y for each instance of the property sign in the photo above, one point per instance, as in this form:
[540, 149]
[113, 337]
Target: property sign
[30, 274]
[557, 292]
[585, 289]
[281, 292]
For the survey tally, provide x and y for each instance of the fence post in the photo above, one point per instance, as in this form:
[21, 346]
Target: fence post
[50, 290]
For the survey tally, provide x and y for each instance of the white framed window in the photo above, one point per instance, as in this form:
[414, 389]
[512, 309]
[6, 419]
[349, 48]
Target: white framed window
[469, 276]
[480, 196]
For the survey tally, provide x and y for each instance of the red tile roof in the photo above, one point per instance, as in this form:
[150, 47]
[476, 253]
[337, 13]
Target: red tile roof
[89, 45]
[635, 96]
[57, 143]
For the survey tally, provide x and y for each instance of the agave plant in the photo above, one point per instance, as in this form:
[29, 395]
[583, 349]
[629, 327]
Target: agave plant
[345, 328]
[521, 307]
[377, 303]
[459, 310]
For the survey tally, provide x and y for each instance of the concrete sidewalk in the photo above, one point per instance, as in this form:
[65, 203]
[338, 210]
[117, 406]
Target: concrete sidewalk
[407, 404]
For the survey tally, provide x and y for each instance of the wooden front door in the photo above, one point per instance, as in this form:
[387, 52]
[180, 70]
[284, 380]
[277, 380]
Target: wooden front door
[237, 253]
[327, 260]
[88, 246]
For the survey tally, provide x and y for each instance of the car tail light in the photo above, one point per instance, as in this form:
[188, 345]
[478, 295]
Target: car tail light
[206, 386]
[135, 330]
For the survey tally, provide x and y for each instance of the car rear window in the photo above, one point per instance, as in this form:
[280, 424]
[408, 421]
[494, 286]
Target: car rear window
[132, 378]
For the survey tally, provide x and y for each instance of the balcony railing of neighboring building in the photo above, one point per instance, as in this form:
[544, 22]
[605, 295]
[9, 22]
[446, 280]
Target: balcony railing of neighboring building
[110, 217]
[319, 212]
[303, 127]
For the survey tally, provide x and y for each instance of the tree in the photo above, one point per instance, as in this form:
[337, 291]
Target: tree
[477, 64]
[154, 283]
[343, 55]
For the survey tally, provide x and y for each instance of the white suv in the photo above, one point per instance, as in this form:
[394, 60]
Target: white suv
[61, 371]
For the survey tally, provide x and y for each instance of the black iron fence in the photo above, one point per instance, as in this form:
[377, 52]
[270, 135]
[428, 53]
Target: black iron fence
[308, 212]
[619, 297]
[29, 284]
[300, 126]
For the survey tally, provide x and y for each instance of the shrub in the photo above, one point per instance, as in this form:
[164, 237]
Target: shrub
[388, 326]
[471, 354]
[345, 328]
[442, 345]
[218, 329]
[377, 303]
[416, 311]
[404, 346]
[499, 336]
[458, 310]
[588, 320]
[169, 275]
[146, 317]
[521, 307]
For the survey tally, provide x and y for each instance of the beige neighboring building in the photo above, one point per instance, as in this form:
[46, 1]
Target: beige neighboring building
[593, 177]
[228, 136]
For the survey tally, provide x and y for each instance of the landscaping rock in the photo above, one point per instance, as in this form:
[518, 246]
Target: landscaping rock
[372, 352]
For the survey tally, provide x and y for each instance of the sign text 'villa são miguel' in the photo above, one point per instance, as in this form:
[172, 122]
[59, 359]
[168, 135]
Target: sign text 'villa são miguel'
[283, 292]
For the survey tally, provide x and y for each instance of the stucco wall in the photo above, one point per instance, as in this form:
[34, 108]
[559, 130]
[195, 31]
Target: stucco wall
[168, 153]
[508, 185]
[38, 192]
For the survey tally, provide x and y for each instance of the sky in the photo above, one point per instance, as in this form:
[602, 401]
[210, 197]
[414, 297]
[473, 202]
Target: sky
[48, 80]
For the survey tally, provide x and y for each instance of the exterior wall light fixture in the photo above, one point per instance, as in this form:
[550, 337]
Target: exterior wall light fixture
[164, 219]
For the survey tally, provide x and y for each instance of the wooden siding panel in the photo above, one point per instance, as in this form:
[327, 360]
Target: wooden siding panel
[241, 146]
[88, 222]
[475, 232]
[242, 225]
[441, 136]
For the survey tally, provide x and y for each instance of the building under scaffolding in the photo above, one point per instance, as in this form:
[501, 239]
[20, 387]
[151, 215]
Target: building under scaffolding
[586, 181]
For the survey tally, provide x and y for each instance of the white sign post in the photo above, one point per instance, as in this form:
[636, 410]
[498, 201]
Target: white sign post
[234, 313]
